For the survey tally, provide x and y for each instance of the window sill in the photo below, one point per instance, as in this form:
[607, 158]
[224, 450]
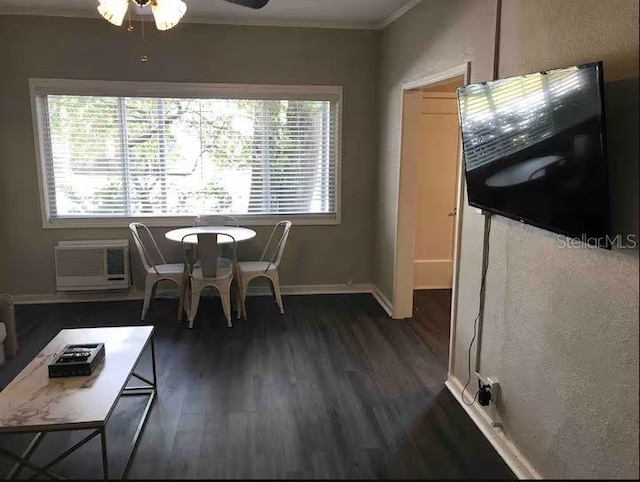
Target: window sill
[173, 222]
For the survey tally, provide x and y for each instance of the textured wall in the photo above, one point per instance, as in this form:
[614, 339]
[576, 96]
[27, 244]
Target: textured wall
[3, 224]
[434, 36]
[93, 49]
[561, 329]
[561, 325]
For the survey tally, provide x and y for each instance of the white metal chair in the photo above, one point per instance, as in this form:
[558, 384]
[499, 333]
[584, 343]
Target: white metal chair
[217, 273]
[215, 220]
[249, 270]
[157, 268]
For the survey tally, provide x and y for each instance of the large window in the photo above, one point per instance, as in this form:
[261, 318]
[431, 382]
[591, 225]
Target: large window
[111, 151]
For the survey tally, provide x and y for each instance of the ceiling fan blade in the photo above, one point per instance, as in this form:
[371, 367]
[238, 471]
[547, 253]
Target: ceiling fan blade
[250, 3]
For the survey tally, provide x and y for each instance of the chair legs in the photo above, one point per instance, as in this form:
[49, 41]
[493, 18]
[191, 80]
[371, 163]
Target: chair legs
[243, 301]
[149, 290]
[190, 295]
[238, 300]
[195, 301]
[275, 282]
[225, 299]
[184, 292]
[150, 286]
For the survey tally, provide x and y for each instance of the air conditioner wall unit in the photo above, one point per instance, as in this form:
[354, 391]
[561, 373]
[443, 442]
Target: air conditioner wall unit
[92, 265]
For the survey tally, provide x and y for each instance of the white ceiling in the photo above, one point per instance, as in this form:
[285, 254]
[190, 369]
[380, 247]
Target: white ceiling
[304, 13]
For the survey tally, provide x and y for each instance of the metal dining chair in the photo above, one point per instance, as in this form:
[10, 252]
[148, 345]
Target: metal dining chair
[266, 267]
[156, 267]
[218, 273]
[215, 220]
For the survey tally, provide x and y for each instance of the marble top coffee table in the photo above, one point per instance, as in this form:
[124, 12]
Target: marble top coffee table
[35, 403]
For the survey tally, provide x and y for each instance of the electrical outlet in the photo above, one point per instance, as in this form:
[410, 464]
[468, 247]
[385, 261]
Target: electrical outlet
[494, 387]
[491, 409]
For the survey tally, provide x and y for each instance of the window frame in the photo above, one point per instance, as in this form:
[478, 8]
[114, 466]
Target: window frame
[40, 87]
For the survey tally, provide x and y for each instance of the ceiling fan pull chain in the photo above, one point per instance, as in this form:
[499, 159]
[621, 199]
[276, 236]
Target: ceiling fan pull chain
[130, 26]
[144, 57]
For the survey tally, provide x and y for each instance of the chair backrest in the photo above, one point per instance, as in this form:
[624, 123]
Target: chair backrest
[273, 252]
[215, 220]
[150, 253]
[207, 256]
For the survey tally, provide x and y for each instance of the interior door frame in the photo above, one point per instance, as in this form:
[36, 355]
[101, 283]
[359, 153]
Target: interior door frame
[403, 271]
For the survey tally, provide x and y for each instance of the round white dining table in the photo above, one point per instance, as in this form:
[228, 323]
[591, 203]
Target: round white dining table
[191, 233]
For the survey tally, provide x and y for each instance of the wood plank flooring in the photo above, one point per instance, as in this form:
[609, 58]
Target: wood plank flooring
[432, 311]
[332, 389]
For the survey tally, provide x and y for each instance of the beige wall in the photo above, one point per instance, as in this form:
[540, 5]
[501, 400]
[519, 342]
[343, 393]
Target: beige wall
[561, 325]
[566, 320]
[92, 49]
[434, 36]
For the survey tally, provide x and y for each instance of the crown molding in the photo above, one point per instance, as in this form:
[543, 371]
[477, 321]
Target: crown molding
[73, 13]
[282, 23]
[397, 14]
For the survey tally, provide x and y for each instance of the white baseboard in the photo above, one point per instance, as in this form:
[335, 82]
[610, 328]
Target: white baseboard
[314, 289]
[78, 297]
[138, 294]
[382, 300]
[432, 287]
[517, 462]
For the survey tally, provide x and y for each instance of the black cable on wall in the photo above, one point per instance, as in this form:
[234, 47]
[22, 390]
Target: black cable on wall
[496, 40]
[478, 322]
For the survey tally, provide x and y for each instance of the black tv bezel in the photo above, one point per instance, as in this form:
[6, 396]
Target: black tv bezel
[603, 143]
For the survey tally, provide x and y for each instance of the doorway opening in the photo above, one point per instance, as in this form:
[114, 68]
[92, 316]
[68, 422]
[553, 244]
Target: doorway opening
[430, 201]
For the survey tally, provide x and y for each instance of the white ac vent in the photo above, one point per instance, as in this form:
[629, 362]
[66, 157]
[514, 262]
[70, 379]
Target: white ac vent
[92, 265]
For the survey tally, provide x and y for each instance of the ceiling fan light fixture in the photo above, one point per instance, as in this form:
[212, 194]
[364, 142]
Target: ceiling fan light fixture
[167, 13]
[113, 11]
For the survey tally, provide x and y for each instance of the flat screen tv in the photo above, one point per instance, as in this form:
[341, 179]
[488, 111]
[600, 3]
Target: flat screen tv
[534, 150]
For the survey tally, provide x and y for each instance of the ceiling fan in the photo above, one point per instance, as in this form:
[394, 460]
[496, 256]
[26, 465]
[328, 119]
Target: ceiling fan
[167, 13]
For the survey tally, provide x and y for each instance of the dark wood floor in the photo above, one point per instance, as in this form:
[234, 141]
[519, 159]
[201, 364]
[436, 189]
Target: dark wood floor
[332, 389]
[432, 312]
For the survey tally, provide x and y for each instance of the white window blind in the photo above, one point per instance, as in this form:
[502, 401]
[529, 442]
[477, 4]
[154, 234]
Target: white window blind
[122, 156]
